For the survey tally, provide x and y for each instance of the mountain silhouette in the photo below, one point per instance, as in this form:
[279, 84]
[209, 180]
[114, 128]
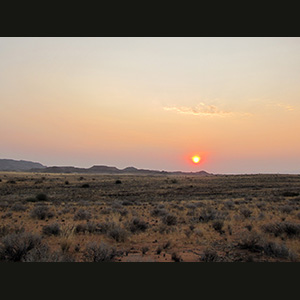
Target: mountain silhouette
[28, 166]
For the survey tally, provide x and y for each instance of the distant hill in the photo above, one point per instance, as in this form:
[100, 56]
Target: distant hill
[19, 165]
[114, 170]
[29, 166]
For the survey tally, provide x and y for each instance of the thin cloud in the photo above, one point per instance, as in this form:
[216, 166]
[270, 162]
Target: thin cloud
[285, 106]
[200, 110]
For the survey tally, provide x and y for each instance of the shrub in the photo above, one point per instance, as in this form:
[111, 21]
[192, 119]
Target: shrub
[169, 219]
[18, 207]
[32, 199]
[245, 212]
[95, 252]
[106, 211]
[166, 245]
[40, 253]
[89, 227]
[117, 233]
[7, 215]
[41, 197]
[66, 182]
[82, 214]
[256, 243]
[176, 257]
[158, 250]
[127, 203]
[209, 255]
[290, 194]
[229, 204]
[278, 250]
[218, 225]
[145, 250]
[282, 228]
[118, 181]
[251, 241]
[41, 212]
[17, 245]
[137, 225]
[51, 229]
[158, 212]
[286, 209]
[85, 185]
[209, 214]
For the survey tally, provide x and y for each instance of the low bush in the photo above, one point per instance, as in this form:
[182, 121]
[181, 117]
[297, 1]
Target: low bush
[41, 212]
[137, 225]
[18, 207]
[51, 229]
[82, 214]
[169, 219]
[14, 247]
[95, 252]
[282, 228]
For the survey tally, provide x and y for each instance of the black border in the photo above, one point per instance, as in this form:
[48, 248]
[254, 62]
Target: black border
[183, 279]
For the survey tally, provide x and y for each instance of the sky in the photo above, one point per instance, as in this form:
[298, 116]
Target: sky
[152, 103]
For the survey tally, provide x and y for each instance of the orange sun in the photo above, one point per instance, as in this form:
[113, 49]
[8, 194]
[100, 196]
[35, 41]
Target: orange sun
[196, 159]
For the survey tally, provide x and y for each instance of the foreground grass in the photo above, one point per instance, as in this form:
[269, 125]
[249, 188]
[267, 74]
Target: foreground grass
[96, 218]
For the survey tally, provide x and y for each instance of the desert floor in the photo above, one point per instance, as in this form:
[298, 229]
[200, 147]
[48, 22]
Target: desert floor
[127, 218]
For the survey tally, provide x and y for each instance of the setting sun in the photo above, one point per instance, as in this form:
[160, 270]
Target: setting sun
[196, 159]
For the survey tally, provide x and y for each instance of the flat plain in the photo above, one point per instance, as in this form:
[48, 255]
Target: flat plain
[161, 218]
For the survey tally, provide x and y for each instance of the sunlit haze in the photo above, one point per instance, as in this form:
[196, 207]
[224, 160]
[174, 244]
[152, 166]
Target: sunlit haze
[152, 103]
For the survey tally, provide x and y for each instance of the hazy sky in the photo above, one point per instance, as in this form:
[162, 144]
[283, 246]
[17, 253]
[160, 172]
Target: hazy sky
[152, 102]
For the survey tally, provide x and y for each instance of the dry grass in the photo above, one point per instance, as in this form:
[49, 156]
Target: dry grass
[151, 218]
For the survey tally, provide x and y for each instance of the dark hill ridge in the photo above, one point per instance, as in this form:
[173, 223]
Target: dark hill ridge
[113, 170]
[28, 166]
[19, 165]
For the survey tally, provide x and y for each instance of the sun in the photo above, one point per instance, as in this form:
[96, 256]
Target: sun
[196, 159]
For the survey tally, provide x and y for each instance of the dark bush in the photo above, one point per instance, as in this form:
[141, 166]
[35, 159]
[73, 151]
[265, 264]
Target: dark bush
[85, 185]
[41, 212]
[209, 214]
[137, 225]
[282, 228]
[158, 250]
[82, 214]
[176, 257]
[229, 204]
[89, 227]
[209, 255]
[159, 212]
[66, 182]
[286, 209]
[169, 219]
[290, 194]
[118, 181]
[106, 211]
[245, 212]
[253, 242]
[218, 225]
[18, 207]
[41, 197]
[95, 252]
[278, 250]
[17, 245]
[127, 203]
[117, 233]
[145, 250]
[51, 229]
[32, 199]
